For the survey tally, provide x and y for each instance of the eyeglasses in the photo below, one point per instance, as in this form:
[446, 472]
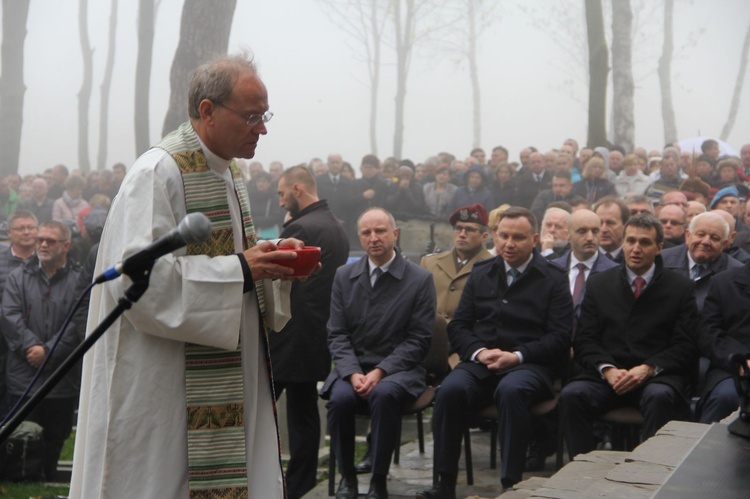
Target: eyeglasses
[21, 228]
[251, 119]
[50, 241]
[671, 222]
[462, 228]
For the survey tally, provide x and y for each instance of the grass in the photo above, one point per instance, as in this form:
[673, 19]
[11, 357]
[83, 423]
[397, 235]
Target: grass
[66, 454]
[32, 490]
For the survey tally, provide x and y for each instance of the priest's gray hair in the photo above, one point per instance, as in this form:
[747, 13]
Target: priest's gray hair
[214, 80]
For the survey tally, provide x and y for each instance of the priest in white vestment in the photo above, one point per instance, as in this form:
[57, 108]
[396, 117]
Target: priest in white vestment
[131, 437]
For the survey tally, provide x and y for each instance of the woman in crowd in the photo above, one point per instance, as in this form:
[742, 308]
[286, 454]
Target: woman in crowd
[71, 203]
[503, 185]
[438, 194]
[631, 179]
[594, 184]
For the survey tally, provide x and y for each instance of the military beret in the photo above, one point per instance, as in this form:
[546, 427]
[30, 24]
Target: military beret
[475, 213]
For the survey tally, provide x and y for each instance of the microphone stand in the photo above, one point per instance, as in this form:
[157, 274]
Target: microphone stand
[132, 295]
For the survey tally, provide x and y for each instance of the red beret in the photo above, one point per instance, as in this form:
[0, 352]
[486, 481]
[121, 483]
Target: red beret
[476, 213]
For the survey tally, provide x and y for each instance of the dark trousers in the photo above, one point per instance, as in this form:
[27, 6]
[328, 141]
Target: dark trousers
[384, 405]
[513, 394]
[720, 402]
[55, 416]
[581, 401]
[303, 423]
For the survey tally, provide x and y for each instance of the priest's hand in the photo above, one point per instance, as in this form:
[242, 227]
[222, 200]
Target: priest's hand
[260, 258]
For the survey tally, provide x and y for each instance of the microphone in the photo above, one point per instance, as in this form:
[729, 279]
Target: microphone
[194, 228]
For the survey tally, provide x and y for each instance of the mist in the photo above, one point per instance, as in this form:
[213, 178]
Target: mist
[533, 92]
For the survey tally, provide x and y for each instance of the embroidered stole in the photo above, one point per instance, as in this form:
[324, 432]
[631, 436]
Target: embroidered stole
[217, 458]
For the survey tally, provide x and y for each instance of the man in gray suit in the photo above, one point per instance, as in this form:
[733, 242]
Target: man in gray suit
[381, 322]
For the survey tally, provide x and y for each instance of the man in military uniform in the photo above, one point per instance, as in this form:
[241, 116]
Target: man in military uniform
[451, 269]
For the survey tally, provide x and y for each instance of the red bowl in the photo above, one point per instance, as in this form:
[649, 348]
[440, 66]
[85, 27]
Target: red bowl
[306, 261]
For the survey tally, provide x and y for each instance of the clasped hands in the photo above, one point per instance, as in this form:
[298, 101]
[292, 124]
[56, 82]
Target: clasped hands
[364, 383]
[497, 360]
[623, 381]
[261, 259]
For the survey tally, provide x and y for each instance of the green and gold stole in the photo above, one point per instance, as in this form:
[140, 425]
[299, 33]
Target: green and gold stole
[217, 459]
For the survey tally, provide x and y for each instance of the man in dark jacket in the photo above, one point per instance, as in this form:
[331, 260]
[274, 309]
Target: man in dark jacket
[474, 191]
[382, 319]
[22, 230]
[36, 301]
[39, 203]
[299, 353]
[634, 340]
[533, 180]
[725, 330]
[512, 332]
[701, 257]
[336, 190]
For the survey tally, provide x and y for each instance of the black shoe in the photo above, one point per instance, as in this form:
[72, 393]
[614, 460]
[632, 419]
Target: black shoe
[348, 488]
[378, 490]
[439, 491]
[365, 465]
[535, 458]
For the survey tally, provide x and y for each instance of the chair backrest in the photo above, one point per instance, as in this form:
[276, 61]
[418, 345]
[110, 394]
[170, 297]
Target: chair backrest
[436, 361]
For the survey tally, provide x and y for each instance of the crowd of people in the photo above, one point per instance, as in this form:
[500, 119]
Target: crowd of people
[606, 272]
[657, 226]
[51, 225]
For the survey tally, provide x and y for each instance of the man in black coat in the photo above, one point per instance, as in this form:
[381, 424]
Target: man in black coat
[634, 340]
[701, 257]
[299, 352]
[614, 213]
[724, 330]
[512, 332]
[337, 190]
[531, 181]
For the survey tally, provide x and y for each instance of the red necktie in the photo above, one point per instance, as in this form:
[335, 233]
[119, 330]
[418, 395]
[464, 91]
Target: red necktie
[580, 283]
[639, 283]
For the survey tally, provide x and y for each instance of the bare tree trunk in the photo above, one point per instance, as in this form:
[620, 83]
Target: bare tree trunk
[374, 68]
[204, 34]
[737, 89]
[405, 29]
[474, 73]
[12, 88]
[665, 75]
[598, 71]
[623, 90]
[146, 16]
[106, 84]
[84, 95]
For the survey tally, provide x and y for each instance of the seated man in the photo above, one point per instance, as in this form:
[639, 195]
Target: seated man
[512, 332]
[451, 269]
[553, 242]
[634, 340]
[382, 319]
[702, 257]
[724, 330]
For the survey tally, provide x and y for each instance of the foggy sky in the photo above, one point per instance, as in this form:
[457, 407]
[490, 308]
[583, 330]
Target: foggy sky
[318, 93]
